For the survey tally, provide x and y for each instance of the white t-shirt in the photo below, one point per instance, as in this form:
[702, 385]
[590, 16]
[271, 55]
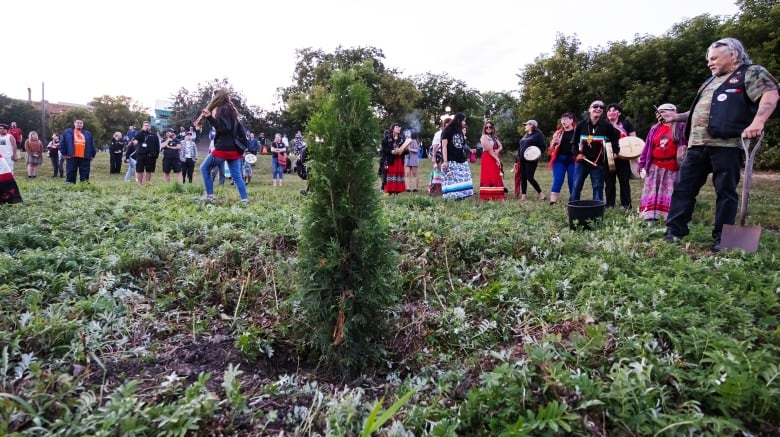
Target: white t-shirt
[435, 144]
[7, 150]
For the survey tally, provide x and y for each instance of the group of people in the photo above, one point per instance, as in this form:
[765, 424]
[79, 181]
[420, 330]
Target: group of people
[11, 144]
[680, 151]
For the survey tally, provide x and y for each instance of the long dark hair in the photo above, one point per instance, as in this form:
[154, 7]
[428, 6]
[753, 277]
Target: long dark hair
[456, 123]
[227, 108]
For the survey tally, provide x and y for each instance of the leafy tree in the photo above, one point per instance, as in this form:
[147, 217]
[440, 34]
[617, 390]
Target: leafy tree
[392, 97]
[347, 268]
[64, 120]
[115, 114]
[26, 116]
[554, 84]
[756, 26]
[439, 91]
[187, 105]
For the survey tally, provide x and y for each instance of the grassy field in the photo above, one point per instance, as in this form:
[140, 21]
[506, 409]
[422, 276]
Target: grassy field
[129, 310]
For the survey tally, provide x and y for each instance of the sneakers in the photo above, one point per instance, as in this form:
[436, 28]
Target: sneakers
[206, 198]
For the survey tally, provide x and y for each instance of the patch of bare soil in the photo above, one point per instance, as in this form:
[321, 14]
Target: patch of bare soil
[766, 176]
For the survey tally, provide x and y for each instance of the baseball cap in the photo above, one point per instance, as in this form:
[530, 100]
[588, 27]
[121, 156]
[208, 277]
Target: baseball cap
[668, 106]
[170, 129]
[532, 123]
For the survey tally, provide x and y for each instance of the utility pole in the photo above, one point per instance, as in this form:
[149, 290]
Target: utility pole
[43, 115]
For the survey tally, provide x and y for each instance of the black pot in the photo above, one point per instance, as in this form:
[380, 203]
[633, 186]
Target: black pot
[583, 213]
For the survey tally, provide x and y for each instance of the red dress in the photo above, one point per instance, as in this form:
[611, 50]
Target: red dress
[395, 181]
[491, 183]
[491, 179]
[396, 176]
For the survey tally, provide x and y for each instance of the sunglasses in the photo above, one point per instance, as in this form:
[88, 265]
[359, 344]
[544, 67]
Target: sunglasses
[597, 106]
[489, 127]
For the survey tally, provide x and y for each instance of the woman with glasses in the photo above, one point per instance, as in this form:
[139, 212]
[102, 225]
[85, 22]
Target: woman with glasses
[591, 135]
[562, 156]
[491, 181]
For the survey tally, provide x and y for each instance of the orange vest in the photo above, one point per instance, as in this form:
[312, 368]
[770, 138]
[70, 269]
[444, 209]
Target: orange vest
[79, 144]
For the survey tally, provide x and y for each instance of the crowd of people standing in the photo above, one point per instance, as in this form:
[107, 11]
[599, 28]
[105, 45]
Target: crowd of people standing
[680, 151]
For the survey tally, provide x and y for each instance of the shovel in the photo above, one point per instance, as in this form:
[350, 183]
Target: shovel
[744, 237]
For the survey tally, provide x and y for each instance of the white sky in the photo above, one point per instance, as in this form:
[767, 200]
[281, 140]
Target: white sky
[148, 50]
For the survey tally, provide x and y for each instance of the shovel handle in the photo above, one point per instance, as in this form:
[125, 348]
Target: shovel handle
[750, 156]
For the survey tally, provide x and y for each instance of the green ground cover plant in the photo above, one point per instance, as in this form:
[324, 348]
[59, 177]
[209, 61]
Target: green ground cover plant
[128, 310]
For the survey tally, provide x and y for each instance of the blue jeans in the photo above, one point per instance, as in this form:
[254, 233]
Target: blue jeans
[725, 164]
[563, 167]
[581, 171]
[235, 169]
[130, 169]
[277, 169]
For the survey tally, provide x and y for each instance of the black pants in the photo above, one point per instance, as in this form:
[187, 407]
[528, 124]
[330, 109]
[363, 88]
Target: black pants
[622, 175]
[56, 165]
[725, 164]
[187, 169]
[80, 165]
[528, 170]
[115, 165]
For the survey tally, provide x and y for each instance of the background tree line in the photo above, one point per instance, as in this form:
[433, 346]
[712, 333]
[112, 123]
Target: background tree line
[638, 74]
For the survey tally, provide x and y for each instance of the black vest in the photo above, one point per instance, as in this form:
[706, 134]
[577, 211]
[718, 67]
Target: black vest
[731, 115]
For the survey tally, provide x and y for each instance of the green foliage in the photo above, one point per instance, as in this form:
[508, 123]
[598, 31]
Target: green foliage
[64, 120]
[26, 116]
[188, 104]
[347, 266]
[509, 322]
[373, 423]
[115, 114]
[314, 70]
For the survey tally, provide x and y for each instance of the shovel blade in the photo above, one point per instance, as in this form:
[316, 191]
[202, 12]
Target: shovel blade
[740, 237]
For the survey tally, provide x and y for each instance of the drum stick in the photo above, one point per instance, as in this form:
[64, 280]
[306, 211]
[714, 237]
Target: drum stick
[589, 161]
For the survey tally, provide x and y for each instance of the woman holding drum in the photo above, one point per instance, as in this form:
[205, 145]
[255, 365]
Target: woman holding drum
[531, 146]
[622, 165]
[659, 164]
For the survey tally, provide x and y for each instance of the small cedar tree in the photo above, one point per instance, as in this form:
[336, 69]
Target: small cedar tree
[347, 267]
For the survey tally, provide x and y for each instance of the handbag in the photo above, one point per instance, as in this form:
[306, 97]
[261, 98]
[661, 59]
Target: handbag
[282, 160]
[239, 137]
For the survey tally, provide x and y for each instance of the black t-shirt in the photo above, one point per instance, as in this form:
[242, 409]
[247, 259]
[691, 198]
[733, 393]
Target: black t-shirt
[567, 144]
[172, 153]
[456, 144]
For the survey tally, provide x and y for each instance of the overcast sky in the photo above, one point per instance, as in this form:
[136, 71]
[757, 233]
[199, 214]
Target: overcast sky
[148, 50]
